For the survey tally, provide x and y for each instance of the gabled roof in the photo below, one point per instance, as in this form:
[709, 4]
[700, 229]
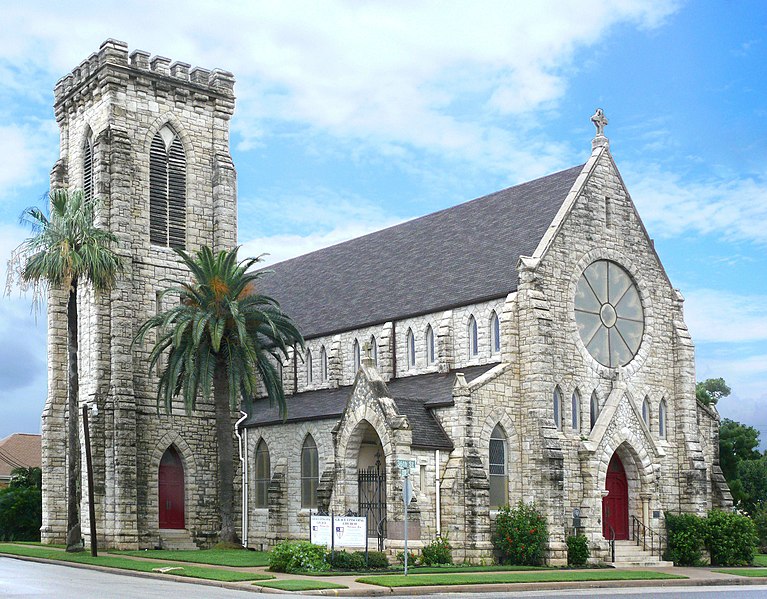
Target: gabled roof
[415, 396]
[19, 450]
[458, 256]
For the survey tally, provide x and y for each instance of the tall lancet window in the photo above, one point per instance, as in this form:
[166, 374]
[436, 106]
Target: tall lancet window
[89, 183]
[167, 190]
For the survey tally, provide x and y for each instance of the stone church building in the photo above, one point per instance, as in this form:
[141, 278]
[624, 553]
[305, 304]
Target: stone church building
[524, 346]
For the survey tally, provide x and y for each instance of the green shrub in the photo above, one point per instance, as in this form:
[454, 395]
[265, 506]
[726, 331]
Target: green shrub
[21, 511]
[686, 537]
[412, 558]
[298, 556]
[438, 551]
[577, 550]
[341, 560]
[377, 559]
[521, 535]
[760, 520]
[730, 538]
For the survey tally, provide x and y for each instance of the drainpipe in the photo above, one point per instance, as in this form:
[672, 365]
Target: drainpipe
[244, 464]
[436, 489]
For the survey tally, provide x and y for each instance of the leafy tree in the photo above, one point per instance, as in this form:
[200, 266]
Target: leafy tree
[66, 249]
[27, 478]
[225, 336]
[752, 487]
[710, 391]
[737, 442]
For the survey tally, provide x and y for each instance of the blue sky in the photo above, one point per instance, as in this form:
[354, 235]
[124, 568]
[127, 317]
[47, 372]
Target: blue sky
[353, 116]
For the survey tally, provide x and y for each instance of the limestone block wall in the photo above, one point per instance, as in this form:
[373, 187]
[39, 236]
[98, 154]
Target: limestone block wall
[121, 101]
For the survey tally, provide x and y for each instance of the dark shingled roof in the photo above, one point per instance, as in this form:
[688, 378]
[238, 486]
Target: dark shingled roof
[414, 396]
[454, 257]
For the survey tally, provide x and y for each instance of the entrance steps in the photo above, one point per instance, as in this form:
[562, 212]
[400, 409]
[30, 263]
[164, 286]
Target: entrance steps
[178, 539]
[630, 555]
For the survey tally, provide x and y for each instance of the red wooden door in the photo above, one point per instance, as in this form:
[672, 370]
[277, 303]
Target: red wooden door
[171, 490]
[615, 506]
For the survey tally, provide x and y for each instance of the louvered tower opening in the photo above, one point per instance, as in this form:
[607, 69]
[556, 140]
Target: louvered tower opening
[167, 190]
[88, 183]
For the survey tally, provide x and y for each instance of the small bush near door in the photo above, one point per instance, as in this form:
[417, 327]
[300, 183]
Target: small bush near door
[298, 556]
[521, 535]
[438, 551]
[577, 550]
[686, 534]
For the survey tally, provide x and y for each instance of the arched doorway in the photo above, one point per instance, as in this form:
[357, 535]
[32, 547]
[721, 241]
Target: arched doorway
[615, 505]
[371, 482]
[171, 490]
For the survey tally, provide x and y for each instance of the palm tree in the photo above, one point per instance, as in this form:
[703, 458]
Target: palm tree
[225, 336]
[66, 248]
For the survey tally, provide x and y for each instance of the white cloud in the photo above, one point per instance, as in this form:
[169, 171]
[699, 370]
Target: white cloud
[385, 72]
[673, 204]
[718, 316]
[26, 151]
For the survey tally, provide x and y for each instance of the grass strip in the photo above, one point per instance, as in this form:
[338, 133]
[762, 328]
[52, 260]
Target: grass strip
[760, 559]
[122, 563]
[300, 584]
[421, 580]
[750, 572]
[237, 558]
[446, 569]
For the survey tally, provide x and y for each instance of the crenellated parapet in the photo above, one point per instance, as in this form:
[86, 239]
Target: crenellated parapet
[113, 68]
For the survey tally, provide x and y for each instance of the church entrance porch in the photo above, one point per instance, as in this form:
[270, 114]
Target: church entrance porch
[371, 484]
[171, 490]
[615, 505]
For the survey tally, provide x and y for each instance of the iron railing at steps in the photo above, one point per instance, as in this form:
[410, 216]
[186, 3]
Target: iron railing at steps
[612, 543]
[646, 537]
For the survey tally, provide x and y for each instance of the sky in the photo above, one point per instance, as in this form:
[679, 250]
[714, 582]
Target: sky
[353, 116]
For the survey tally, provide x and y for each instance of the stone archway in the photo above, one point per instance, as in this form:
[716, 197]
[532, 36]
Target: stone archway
[371, 480]
[170, 490]
[624, 482]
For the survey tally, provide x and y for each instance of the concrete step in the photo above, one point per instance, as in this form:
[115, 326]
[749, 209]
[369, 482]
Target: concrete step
[651, 563]
[177, 539]
[630, 555]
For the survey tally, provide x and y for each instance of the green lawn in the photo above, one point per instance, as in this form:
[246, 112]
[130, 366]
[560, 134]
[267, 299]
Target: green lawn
[760, 559]
[298, 584]
[511, 577]
[238, 558]
[122, 563]
[446, 569]
[750, 572]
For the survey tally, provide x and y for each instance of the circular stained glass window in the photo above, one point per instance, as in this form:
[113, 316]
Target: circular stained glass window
[608, 313]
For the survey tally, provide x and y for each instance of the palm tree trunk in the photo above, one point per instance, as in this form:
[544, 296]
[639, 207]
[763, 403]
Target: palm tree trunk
[225, 448]
[74, 542]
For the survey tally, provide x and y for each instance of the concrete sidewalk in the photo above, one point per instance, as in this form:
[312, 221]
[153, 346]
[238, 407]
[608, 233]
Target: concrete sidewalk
[695, 577]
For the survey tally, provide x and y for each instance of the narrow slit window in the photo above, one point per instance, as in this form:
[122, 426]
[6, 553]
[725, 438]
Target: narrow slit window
[498, 473]
[662, 419]
[356, 354]
[473, 337]
[89, 185]
[323, 364]
[646, 411]
[309, 373]
[495, 332]
[575, 410]
[594, 411]
[410, 349]
[430, 355]
[263, 475]
[558, 408]
[167, 190]
[310, 473]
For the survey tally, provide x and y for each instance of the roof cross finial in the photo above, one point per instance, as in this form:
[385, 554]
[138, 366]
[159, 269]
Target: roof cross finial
[600, 122]
[367, 348]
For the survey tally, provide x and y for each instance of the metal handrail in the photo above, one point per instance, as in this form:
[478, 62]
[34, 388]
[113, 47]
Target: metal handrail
[640, 532]
[612, 542]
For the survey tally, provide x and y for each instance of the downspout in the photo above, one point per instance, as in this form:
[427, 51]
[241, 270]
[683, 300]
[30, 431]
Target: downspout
[244, 464]
[436, 490]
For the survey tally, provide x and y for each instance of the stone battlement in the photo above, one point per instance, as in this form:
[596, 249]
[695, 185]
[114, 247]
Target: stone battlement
[115, 53]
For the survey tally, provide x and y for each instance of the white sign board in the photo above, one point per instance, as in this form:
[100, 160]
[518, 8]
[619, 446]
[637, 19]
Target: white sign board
[406, 464]
[319, 530]
[350, 531]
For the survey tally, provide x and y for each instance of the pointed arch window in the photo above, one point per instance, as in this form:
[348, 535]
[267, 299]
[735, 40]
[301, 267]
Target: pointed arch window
[495, 332]
[575, 410]
[263, 475]
[558, 408]
[646, 411]
[167, 190]
[309, 373]
[356, 354]
[374, 349]
[662, 419]
[594, 410]
[323, 364]
[498, 473]
[310, 473]
[430, 355]
[410, 349]
[473, 337]
[89, 183]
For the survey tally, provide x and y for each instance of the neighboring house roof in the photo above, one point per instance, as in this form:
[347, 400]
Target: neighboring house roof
[19, 450]
[415, 396]
[458, 256]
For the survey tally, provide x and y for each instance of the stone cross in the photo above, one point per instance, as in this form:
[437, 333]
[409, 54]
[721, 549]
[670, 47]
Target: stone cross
[367, 348]
[600, 120]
